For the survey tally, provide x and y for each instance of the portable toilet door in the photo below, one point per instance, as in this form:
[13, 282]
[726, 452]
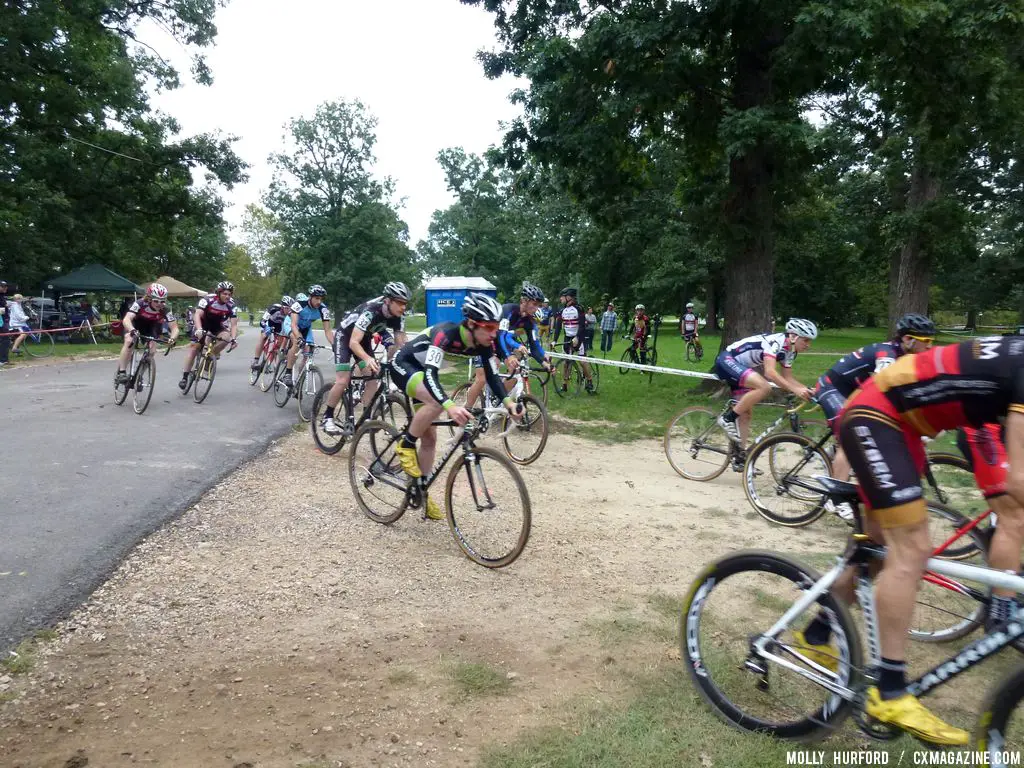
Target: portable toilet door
[444, 297]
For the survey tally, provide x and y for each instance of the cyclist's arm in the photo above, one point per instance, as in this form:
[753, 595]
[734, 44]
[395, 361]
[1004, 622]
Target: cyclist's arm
[173, 327]
[234, 327]
[328, 332]
[783, 378]
[494, 382]
[295, 326]
[127, 323]
[557, 322]
[535, 348]
[1015, 452]
[197, 319]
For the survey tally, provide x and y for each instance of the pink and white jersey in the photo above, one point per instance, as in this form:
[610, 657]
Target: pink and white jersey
[751, 351]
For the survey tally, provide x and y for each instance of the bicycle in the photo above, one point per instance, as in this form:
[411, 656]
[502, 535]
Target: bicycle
[634, 354]
[204, 367]
[387, 405]
[268, 350]
[141, 375]
[697, 447]
[377, 478]
[533, 426]
[767, 654]
[277, 348]
[305, 387]
[36, 343]
[573, 380]
[694, 350]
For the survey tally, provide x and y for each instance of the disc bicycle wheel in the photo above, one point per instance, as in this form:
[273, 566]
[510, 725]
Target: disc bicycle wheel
[327, 443]
[204, 379]
[526, 440]
[38, 344]
[696, 447]
[310, 382]
[377, 479]
[488, 507]
[748, 689]
[774, 476]
[145, 380]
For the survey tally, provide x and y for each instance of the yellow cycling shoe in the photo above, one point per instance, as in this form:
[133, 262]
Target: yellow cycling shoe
[433, 511]
[823, 655]
[910, 715]
[407, 458]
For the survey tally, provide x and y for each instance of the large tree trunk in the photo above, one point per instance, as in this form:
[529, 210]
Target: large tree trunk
[910, 270]
[712, 305]
[972, 319]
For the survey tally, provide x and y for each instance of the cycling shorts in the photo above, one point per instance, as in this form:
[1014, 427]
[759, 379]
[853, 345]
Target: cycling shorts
[831, 401]
[567, 347]
[986, 453]
[216, 327]
[689, 335]
[344, 359]
[888, 458]
[407, 376]
[732, 372]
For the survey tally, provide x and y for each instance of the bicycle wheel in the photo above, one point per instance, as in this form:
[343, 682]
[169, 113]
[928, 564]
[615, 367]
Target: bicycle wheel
[535, 383]
[310, 382]
[696, 447]
[691, 352]
[204, 379]
[281, 391]
[526, 440]
[393, 409]
[1000, 729]
[727, 608]
[488, 507]
[38, 345]
[954, 484]
[652, 357]
[145, 380]
[595, 377]
[267, 372]
[773, 476]
[378, 482]
[943, 523]
[572, 379]
[699, 348]
[329, 444]
[629, 356]
[121, 390]
[255, 373]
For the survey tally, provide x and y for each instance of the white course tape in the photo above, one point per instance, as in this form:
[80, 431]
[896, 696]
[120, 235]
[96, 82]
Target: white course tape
[636, 366]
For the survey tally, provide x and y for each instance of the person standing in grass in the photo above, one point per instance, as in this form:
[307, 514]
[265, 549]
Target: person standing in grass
[609, 324]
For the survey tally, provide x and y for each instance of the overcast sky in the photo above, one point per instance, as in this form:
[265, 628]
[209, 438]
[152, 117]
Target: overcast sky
[410, 61]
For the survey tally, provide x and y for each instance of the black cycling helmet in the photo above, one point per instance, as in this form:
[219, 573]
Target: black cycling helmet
[531, 292]
[398, 291]
[481, 307]
[317, 290]
[568, 292]
[916, 324]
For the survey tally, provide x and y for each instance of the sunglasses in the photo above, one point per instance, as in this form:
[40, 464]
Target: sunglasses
[925, 339]
[487, 326]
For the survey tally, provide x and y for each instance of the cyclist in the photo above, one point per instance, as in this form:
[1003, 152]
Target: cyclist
[570, 318]
[741, 365]
[270, 324]
[383, 318]
[212, 312]
[146, 316]
[914, 333]
[305, 312]
[415, 368]
[514, 316]
[641, 330]
[688, 325]
[969, 384]
[544, 320]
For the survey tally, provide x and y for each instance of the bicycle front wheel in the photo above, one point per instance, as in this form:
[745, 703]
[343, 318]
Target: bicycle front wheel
[527, 438]
[378, 482]
[309, 384]
[121, 391]
[281, 391]
[629, 356]
[691, 352]
[729, 607]
[255, 373]
[204, 379]
[267, 372]
[393, 409]
[327, 443]
[1000, 730]
[38, 345]
[488, 507]
[776, 474]
[145, 379]
[696, 447]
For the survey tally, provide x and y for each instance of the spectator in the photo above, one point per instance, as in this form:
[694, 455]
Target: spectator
[609, 324]
[589, 328]
[5, 340]
[18, 322]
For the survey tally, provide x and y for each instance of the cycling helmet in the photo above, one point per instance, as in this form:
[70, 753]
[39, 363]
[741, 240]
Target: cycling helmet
[915, 324]
[301, 297]
[156, 291]
[224, 285]
[638, 307]
[568, 292]
[531, 292]
[802, 327]
[397, 291]
[287, 301]
[481, 307]
[317, 290]
[689, 305]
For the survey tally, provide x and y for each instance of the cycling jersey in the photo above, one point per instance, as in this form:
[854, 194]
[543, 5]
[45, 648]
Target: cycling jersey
[273, 318]
[421, 358]
[689, 324]
[743, 357]
[845, 377]
[149, 320]
[368, 317]
[309, 314]
[545, 316]
[511, 321]
[641, 327]
[216, 312]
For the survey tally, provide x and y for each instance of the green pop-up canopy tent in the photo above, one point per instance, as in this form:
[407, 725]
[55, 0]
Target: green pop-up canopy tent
[94, 278]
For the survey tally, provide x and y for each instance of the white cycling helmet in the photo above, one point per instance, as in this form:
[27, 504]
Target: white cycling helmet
[689, 305]
[802, 327]
[638, 307]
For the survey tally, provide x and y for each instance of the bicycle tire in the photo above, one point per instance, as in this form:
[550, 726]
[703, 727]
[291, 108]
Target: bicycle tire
[393, 409]
[38, 345]
[365, 472]
[812, 504]
[698, 440]
[996, 713]
[815, 725]
[257, 372]
[699, 349]
[595, 378]
[543, 385]
[540, 419]
[267, 372]
[121, 390]
[193, 371]
[328, 444]
[574, 381]
[305, 395]
[282, 393]
[145, 380]
[458, 529]
[691, 352]
[954, 484]
[204, 380]
[629, 356]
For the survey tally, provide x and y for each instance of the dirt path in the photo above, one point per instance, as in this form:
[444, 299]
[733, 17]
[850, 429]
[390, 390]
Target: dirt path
[282, 628]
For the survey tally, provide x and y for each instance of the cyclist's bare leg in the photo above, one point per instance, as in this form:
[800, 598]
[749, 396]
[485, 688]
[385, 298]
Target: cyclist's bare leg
[1008, 540]
[757, 387]
[190, 356]
[223, 339]
[907, 550]
[421, 428]
[840, 465]
[17, 342]
[293, 352]
[341, 380]
[476, 388]
[126, 353]
[262, 343]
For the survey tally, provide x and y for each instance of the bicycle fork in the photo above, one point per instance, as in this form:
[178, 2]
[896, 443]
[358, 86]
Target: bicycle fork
[477, 484]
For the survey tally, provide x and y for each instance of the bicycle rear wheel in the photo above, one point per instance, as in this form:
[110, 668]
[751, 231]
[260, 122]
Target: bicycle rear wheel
[267, 372]
[327, 443]
[1000, 729]
[377, 479]
[204, 379]
[696, 447]
[728, 607]
[38, 344]
[145, 380]
[310, 382]
[255, 373]
[774, 474]
[281, 391]
[488, 508]
[525, 443]
[954, 484]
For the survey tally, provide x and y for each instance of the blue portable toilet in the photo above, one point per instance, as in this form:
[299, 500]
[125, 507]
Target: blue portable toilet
[444, 296]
